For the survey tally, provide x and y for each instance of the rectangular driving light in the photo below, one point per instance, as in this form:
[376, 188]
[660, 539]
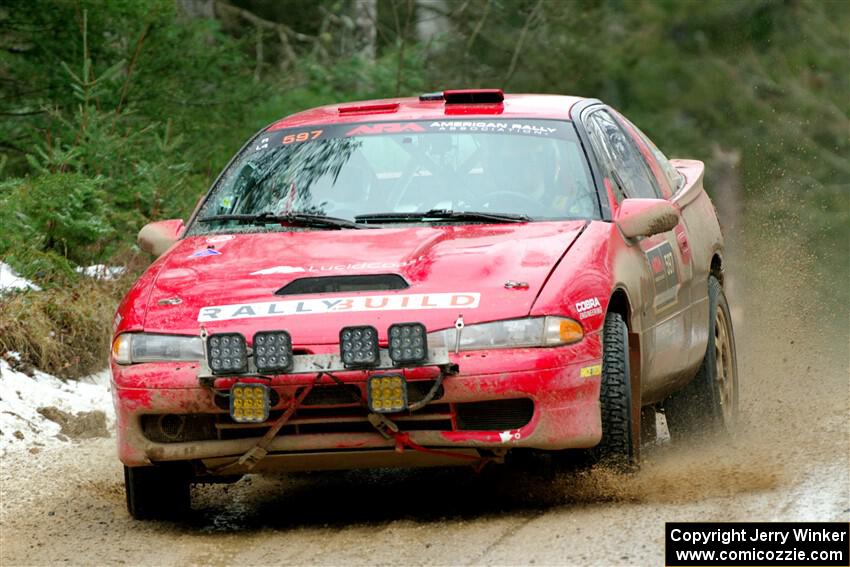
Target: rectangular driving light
[272, 351]
[227, 353]
[249, 403]
[358, 346]
[408, 343]
[386, 394]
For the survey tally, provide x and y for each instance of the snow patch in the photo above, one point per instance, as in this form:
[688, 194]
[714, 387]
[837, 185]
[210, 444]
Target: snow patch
[23, 427]
[9, 280]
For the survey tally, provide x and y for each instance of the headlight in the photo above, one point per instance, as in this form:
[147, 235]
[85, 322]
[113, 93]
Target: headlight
[513, 333]
[130, 348]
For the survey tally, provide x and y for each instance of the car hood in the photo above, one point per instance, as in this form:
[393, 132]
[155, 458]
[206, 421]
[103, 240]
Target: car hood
[228, 282]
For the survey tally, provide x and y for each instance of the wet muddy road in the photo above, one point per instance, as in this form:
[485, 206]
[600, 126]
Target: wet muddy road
[67, 507]
[789, 460]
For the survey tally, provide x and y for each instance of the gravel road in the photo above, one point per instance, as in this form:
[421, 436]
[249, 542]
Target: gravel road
[789, 460]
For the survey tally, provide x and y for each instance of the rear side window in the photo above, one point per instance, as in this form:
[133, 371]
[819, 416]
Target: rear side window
[619, 156]
[674, 178]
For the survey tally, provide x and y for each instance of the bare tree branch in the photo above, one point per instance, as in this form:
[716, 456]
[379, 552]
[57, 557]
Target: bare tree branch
[521, 41]
[131, 67]
[284, 34]
[478, 27]
[403, 35]
[259, 54]
[263, 23]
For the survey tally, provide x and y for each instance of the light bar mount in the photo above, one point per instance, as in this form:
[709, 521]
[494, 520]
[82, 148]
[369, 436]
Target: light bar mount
[321, 363]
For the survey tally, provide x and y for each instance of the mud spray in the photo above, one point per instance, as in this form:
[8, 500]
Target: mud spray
[792, 437]
[794, 372]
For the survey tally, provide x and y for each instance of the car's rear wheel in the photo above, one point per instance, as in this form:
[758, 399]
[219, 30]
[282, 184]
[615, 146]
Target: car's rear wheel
[709, 403]
[619, 446]
[158, 492]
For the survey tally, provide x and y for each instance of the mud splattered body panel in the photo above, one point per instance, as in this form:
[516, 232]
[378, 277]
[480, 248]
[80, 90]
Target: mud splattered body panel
[478, 272]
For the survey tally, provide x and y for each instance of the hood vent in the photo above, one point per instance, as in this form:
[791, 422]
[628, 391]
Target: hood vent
[337, 284]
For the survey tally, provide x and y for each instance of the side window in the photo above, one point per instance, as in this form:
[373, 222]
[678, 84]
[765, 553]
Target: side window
[673, 176]
[619, 155]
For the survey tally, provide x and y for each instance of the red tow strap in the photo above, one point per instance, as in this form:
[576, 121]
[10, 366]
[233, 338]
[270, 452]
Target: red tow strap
[403, 440]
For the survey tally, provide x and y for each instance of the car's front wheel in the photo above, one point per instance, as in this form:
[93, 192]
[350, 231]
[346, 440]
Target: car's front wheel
[619, 446]
[158, 492]
[709, 403]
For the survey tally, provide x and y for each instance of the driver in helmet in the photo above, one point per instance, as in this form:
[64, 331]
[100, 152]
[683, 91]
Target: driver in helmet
[528, 174]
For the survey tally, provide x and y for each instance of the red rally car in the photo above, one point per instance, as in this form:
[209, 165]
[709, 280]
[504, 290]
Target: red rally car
[424, 281]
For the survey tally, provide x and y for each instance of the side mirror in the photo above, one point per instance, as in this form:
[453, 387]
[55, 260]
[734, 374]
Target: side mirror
[645, 217]
[157, 237]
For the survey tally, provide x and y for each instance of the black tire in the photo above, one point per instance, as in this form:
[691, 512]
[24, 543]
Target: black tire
[708, 404]
[157, 493]
[618, 447]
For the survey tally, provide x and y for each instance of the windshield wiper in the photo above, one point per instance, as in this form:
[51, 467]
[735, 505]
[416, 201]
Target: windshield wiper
[442, 214]
[297, 219]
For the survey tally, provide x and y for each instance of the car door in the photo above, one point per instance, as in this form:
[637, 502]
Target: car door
[666, 332]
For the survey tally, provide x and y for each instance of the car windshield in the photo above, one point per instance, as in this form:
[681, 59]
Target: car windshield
[446, 172]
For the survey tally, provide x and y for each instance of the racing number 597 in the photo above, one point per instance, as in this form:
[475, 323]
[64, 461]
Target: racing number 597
[301, 137]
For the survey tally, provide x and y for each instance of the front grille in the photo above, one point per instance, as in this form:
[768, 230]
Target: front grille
[494, 415]
[497, 415]
[333, 395]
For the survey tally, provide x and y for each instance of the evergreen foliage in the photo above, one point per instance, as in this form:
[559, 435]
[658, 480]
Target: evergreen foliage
[115, 113]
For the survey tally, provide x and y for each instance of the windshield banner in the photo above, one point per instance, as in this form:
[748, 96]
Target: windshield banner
[272, 139]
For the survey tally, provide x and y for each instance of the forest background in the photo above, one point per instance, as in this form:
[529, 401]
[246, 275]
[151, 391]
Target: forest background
[115, 113]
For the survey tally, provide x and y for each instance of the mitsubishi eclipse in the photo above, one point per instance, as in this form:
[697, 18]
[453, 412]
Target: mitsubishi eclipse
[424, 281]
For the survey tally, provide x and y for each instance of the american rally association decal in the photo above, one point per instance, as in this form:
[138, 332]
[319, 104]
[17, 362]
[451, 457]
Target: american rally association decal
[341, 305]
[498, 127]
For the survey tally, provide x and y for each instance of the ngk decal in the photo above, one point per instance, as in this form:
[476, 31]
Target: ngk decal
[403, 302]
[588, 308]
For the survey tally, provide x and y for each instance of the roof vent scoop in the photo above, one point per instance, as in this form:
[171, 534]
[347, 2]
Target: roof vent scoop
[474, 96]
[466, 96]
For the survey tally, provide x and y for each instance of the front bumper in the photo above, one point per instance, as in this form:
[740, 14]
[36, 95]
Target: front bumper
[565, 412]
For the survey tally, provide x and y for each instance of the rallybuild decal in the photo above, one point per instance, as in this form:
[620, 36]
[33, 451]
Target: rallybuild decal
[341, 305]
